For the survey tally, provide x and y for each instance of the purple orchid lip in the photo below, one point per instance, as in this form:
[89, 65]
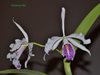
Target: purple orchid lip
[68, 52]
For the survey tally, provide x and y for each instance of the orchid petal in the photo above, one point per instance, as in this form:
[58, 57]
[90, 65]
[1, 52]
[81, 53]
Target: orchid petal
[22, 30]
[65, 41]
[44, 57]
[17, 41]
[10, 56]
[68, 51]
[19, 52]
[24, 42]
[15, 46]
[11, 45]
[14, 57]
[16, 63]
[30, 46]
[80, 37]
[56, 44]
[79, 45]
[55, 37]
[27, 61]
[63, 20]
[50, 45]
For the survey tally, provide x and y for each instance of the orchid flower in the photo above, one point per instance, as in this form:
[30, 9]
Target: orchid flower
[69, 42]
[18, 48]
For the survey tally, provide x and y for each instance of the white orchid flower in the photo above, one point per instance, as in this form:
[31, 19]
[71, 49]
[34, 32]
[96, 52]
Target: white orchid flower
[68, 42]
[18, 48]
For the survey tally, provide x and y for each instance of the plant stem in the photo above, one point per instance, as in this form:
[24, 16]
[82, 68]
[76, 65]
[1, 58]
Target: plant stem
[38, 44]
[67, 67]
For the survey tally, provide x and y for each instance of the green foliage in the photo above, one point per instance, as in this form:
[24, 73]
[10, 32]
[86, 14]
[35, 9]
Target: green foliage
[21, 72]
[88, 21]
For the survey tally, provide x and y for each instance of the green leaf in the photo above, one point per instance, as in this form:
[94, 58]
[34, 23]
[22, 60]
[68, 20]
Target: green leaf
[22, 71]
[88, 21]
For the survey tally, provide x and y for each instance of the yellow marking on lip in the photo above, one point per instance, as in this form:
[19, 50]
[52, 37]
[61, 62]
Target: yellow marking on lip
[67, 47]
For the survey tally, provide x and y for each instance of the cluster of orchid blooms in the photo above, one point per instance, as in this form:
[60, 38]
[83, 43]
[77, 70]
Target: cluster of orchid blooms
[68, 44]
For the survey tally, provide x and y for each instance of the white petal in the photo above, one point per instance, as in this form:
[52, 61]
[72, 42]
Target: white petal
[30, 49]
[88, 41]
[19, 52]
[44, 57]
[27, 61]
[16, 54]
[9, 56]
[22, 30]
[79, 45]
[56, 44]
[55, 38]
[24, 42]
[15, 47]
[16, 63]
[11, 45]
[18, 44]
[50, 43]
[63, 20]
[48, 46]
[65, 41]
[30, 46]
[80, 37]
[18, 41]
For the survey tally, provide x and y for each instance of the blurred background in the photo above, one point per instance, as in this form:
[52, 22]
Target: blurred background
[41, 20]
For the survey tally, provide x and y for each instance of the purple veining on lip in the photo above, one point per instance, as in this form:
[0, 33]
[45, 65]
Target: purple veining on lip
[68, 52]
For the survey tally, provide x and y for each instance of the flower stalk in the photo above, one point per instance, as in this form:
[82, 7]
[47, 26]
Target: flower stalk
[38, 44]
[67, 67]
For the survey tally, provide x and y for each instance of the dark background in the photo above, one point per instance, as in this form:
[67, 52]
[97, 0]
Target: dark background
[41, 19]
